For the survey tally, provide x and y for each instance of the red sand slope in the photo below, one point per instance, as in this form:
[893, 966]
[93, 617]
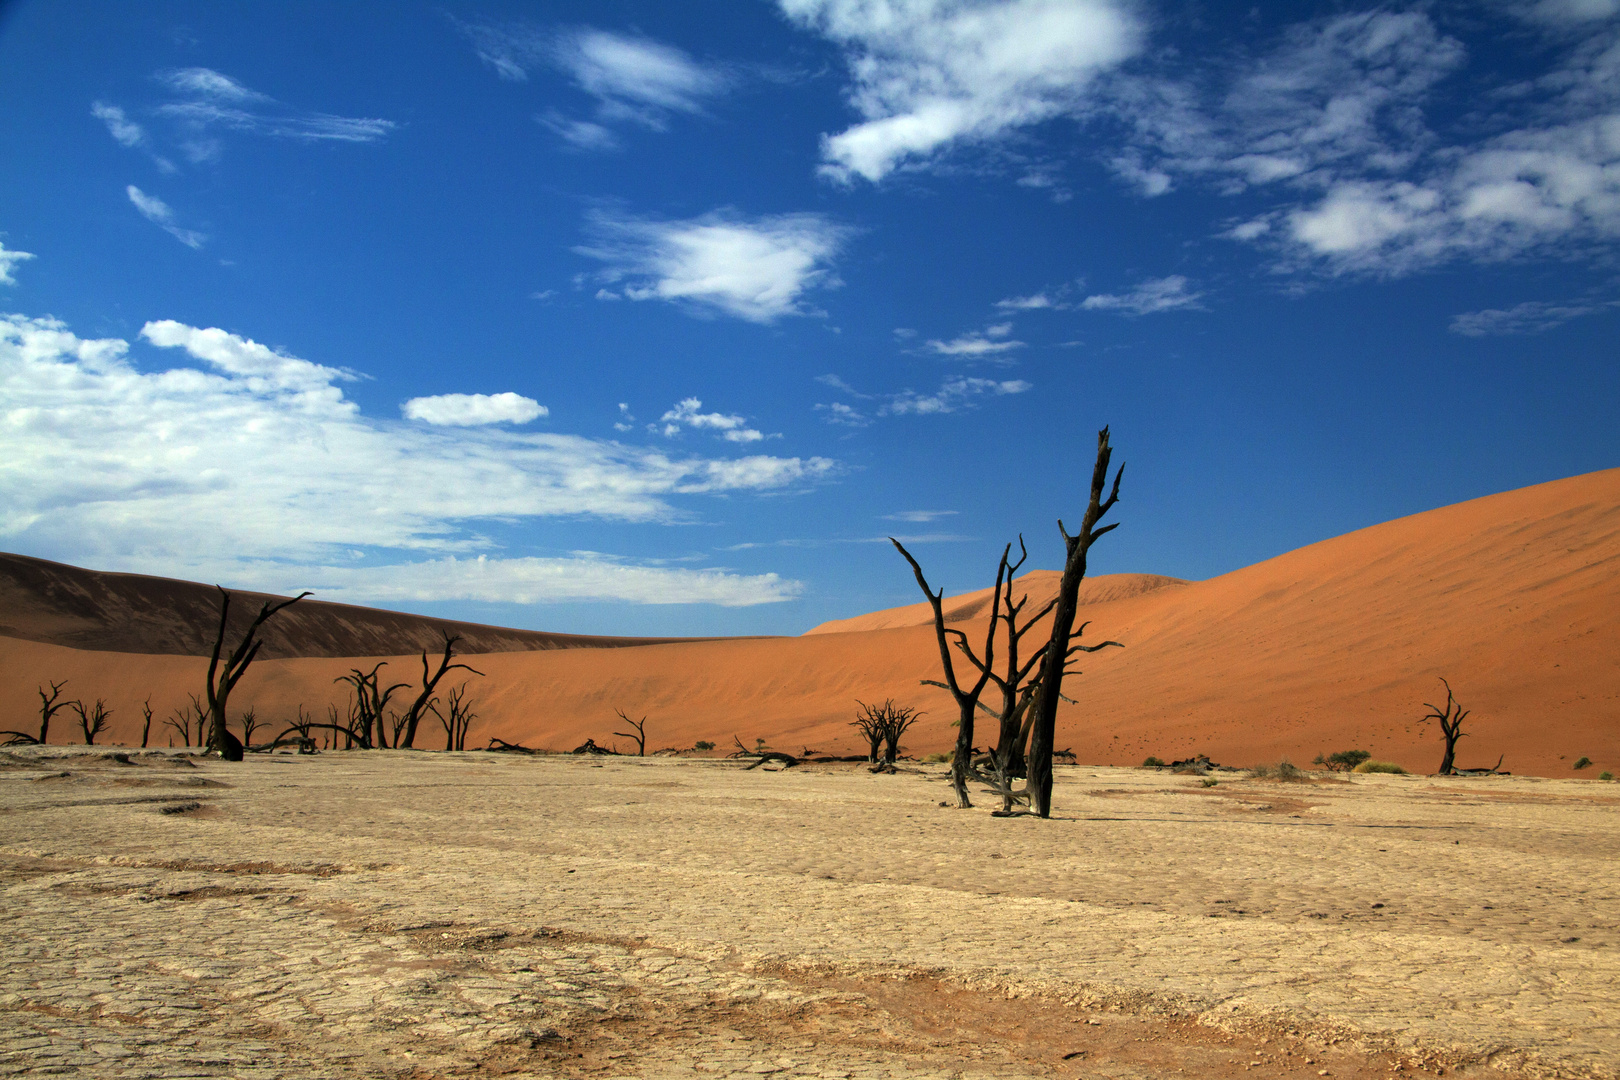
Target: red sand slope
[1515, 598]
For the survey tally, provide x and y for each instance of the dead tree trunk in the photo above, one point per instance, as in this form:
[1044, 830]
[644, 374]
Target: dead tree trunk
[640, 735]
[1057, 653]
[221, 681]
[367, 725]
[146, 721]
[870, 724]
[967, 701]
[458, 721]
[1450, 719]
[430, 683]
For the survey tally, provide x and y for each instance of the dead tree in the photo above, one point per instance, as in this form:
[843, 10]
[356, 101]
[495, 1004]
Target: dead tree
[459, 719]
[896, 719]
[181, 720]
[419, 707]
[1057, 653]
[640, 735]
[250, 724]
[761, 755]
[967, 701]
[49, 706]
[1450, 719]
[869, 721]
[92, 721]
[366, 724]
[146, 720]
[222, 681]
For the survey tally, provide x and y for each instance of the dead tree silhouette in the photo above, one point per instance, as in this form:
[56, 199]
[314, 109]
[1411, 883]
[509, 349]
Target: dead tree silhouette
[49, 706]
[1450, 719]
[419, 707]
[221, 681]
[967, 701]
[92, 721]
[640, 734]
[1057, 653]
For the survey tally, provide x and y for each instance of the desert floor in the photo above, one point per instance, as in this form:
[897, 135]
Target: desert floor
[429, 914]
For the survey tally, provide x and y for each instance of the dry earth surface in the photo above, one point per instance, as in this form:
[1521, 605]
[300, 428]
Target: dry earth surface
[397, 914]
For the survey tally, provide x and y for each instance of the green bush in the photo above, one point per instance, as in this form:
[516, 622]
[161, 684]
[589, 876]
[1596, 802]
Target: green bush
[1583, 762]
[1283, 770]
[1605, 776]
[938, 759]
[1370, 766]
[1343, 761]
[1208, 782]
[1153, 763]
[703, 744]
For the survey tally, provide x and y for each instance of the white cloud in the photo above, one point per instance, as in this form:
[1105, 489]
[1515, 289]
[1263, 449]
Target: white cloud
[1034, 302]
[217, 100]
[635, 77]
[952, 396]
[920, 517]
[1563, 13]
[120, 126]
[580, 134]
[756, 269]
[9, 259]
[685, 414]
[839, 384]
[471, 410]
[157, 211]
[844, 415]
[978, 346]
[1152, 296]
[258, 460]
[1530, 317]
[931, 74]
[585, 576]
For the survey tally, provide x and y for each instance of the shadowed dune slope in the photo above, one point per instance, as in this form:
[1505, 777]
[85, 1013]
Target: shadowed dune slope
[1514, 597]
[87, 609]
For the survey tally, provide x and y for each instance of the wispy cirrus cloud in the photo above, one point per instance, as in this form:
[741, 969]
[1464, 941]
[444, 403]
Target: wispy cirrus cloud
[920, 517]
[759, 269]
[472, 410]
[632, 78]
[1530, 317]
[157, 211]
[1149, 298]
[251, 465]
[929, 76]
[954, 395]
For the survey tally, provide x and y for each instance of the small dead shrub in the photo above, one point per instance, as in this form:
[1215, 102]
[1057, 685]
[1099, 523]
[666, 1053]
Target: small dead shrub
[1370, 766]
[1284, 770]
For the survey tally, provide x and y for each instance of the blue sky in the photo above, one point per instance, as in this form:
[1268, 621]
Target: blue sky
[657, 318]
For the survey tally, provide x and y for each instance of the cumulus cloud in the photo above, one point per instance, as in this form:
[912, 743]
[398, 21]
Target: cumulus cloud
[9, 259]
[932, 74]
[472, 410]
[953, 396]
[253, 458]
[1530, 317]
[1152, 296]
[842, 415]
[157, 211]
[686, 414]
[757, 269]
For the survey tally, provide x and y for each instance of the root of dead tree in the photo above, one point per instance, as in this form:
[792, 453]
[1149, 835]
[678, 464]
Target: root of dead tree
[501, 746]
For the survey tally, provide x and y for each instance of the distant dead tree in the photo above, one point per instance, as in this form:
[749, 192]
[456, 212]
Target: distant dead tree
[420, 707]
[181, 720]
[49, 705]
[221, 681]
[146, 720]
[1055, 657]
[92, 721]
[869, 721]
[456, 717]
[967, 701]
[1450, 719]
[250, 724]
[297, 734]
[366, 724]
[640, 735]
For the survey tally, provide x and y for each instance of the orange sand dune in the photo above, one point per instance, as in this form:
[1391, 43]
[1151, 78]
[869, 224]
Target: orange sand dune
[1515, 598]
[1039, 585]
